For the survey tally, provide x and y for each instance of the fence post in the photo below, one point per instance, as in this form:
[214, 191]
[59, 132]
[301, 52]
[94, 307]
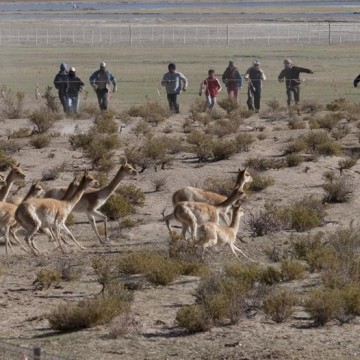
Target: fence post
[130, 35]
[227, 35]
[37, 353]
[329, 33]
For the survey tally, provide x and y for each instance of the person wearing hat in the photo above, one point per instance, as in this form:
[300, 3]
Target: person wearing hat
[101, 81]
[291, 75]
[254, 77]
[174, 82]
[233, 81]
[74, 87]
[60, 83]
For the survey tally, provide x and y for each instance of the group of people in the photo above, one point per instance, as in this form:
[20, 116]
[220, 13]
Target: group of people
[175, 82]
[104, 83]
[69, 87]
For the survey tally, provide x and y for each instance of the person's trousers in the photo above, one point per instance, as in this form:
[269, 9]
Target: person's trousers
[102, 95]
[73, 103]
[173, 102]
[63, 101]
[293, 94]
[254, 96]
[210, 101]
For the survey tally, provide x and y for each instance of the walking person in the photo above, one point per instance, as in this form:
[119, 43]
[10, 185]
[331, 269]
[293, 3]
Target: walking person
[60, 83]
[73, 89]
[254, 77]
[292, 81]
[233, 81]
[104, 84]
[210, 87]
[174, 82]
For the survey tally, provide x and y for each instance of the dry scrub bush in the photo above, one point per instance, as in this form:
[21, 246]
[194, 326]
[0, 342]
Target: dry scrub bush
[159, 183]
[311, 106]
[270, 275]
[327, 122]
[43, 120]
[117, 207]
[68, 270]
[5, 160]
[152, 112]
[260, 183]
[296, 124]
[293, 160]
[292, 270]
[51, 100]
[202, 145]
[228, 105]
[12, 103]
[20, 133]
[91, 312]
[194, 318]
[339, 104]
[47, 277]
[339, 190]
[347, 163]
[10, 146]
[40, 141]
[223, 149]
[124, 324]
[263, 164]
[53, 173]
[243, 142]
[340, 131]
[279, 305]
[142, 128]
[222, 127]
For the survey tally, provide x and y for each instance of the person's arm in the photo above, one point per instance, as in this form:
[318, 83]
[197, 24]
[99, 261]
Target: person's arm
[113, 81]
[238, 79]
[219, 85]
[281, 76]
[202, 87]
[262, 75]
[56, 82]
[357, 80]
[184, 80]
[164, 81]
[92, 80]
[224, 77]
[304, 70]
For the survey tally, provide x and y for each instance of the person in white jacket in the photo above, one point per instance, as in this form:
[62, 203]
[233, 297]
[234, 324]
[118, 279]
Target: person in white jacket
[174, 82]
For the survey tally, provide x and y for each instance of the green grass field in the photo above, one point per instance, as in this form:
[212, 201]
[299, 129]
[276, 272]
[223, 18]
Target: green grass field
[139, 70]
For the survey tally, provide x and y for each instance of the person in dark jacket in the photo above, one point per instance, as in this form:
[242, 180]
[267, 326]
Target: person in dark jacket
[73, 89]
[292, 81]
[254, 77]
[102, 80]
[60, 83]
[356, 81]
[233, 81]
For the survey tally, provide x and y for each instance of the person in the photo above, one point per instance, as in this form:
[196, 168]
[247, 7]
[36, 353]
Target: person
[101, 81]
[356, 81]
[74, 87]
[210, 87]
[233, 81]
[60, 83]
[292, 81]
[174, 82]
[254, 77]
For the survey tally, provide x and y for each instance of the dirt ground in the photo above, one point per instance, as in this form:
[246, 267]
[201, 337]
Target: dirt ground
[23, 308]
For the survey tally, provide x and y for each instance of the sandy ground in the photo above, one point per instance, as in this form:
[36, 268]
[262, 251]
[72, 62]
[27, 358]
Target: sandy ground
[22, 307]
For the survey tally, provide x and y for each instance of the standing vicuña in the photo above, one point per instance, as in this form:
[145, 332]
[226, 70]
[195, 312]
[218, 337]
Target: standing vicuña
[35, 214]
[214, 234]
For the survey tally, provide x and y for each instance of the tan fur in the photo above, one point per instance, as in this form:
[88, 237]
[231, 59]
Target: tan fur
[214, 234]
[93, 200]
[34, 214]
[8, 222]
[196, 205]
[15, 173]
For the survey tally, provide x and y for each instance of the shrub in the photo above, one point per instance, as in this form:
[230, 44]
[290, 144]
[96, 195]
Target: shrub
[223, 149]
[270, 275]
[292, 270]
[47, 277]
[247, 274]
[124, 324]
[223, 127]
[324, 305]
[243, 142]
[296, 124]
[260, 183]
[51, 100]
[152, 112]
[338, 104]
[194, 318]
[303, 245]
[43, 120]
[164, 273]
[329, 121]
[53, 174]
[347, 163]
[91, 312]
[132, 194]
[5, 160]
[181, 250]
[279, 305]
[13, 103]
[273, 104]
[228, 104]
[40, 141]
[159, 183]
[21, 133]
[310, 106]
[117, 207]
[293, 160]
[104, 124]
[263, 164]
[339, 190]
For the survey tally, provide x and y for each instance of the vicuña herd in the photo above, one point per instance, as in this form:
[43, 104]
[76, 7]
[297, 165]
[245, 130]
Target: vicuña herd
[210, 219]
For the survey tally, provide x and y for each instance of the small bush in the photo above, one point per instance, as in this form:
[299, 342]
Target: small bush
[5, 160]
[53, 174]
[324, 305]
[222, 128]
[47, 277]
[124, 324]
[293, 160]
[117, 207]
[152, 112]
[263, 164]
[91, 312]
[260, 183]
[339, 190]
[132, 194]
[270, 276]
[43, 120]
[243, 142]
[279, 305]
[338, 104]
[292, 270]
[13, 103]
[223, 149]
[319, 142]
[273, 104]
[228, 105]
[194, 318]
[347, 163]
[40, 141]
[20, 133]
[296, 124]
[51, 100]
[164, 273]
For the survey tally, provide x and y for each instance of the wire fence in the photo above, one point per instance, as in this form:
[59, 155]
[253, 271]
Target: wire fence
[13, 352]
[260, 34]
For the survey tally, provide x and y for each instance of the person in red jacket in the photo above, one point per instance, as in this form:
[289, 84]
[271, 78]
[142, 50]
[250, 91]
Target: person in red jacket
[210, 87]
